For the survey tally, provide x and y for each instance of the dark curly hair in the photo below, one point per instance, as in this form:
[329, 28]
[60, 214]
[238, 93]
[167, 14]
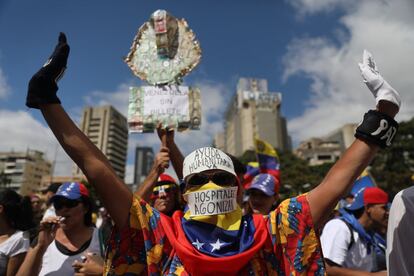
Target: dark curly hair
[17, 209]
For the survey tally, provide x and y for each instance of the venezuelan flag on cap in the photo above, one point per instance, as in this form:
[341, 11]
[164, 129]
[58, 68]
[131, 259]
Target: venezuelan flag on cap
[363, 181]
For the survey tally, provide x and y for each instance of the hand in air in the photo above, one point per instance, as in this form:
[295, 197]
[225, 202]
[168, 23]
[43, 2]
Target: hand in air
[379, 87]
[43, 84]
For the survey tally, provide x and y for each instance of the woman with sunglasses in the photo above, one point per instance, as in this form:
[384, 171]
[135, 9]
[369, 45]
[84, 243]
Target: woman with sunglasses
[63, 239]
[15, 218]
[211, 236]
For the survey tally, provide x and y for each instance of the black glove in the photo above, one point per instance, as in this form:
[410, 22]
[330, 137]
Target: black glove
[42, 86]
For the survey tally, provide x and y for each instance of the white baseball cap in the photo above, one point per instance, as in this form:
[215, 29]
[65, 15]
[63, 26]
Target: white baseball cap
[207, 158]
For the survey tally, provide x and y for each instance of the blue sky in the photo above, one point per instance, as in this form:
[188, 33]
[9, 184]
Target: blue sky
[307, 49]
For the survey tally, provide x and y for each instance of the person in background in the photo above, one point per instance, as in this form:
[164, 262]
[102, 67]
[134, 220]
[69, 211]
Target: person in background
[36, 208]
[105, 227]
[240, 170]
[400, 234]
[166, 195]
[159, 189]
[101, 214]
[348, 242]
[15, 218]
[64, 238]
[263, 194]
[49, 192]
[245, 206]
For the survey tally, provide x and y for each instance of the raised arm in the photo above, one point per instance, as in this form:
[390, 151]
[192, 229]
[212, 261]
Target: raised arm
[176, 157]
[377, 129]
[161, 162]
[92, 162]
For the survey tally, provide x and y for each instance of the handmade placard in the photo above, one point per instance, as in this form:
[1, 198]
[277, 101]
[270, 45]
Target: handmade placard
[162, 53]
[173, 106]
[164, 50]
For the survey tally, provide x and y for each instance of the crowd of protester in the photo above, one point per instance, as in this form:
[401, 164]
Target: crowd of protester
[216, 218]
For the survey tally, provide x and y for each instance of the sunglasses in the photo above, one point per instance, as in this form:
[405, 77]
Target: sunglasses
[167, 189]
[219, 178]
[65, 203]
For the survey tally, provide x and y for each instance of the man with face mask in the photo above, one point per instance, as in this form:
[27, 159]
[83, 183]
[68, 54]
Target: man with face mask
[211, 237]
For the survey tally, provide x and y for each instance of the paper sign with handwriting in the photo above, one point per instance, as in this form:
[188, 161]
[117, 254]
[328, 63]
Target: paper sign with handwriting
[173, 106]
[212, 202]
[159, 101]
[207, 158]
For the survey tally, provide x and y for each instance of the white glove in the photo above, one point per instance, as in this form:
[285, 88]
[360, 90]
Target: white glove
[379, 87]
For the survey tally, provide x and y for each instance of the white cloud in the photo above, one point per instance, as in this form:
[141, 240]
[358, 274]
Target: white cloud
[337, 94]
[307, 7]
[4, 87]
[21, 131]
[117, 98]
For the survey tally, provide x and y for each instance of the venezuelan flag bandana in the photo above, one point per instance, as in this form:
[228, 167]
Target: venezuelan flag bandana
[213, 221]
[198, 263]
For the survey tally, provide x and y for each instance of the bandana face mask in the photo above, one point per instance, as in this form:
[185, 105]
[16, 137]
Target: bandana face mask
[211, 199]
[213, 204]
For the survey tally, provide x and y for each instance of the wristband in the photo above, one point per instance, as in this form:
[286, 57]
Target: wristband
[377, 128]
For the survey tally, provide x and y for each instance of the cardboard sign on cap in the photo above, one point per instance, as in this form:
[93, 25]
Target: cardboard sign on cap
[207, 158]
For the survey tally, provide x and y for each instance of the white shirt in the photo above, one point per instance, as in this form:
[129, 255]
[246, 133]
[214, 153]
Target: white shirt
[335, 239]
[55, 263]
[400, 234]
[16, 244]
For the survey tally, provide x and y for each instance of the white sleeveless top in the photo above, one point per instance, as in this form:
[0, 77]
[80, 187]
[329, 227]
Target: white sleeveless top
[16, 244]
[57, 263]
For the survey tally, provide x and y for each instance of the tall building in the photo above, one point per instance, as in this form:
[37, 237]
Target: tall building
[108, 130]
[144, 158]
[254, 112]
[23, 171]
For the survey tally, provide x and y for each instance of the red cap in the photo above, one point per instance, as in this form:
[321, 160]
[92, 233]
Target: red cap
[374, 195]
[166, 178]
